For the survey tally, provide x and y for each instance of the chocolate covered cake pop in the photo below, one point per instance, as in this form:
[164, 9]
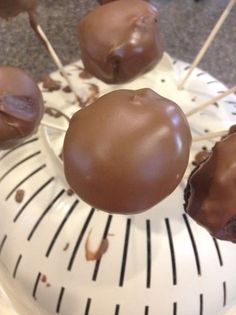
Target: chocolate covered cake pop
[120, 40]
[127, 151]
[11, 8]
[210, 194]
[21, 106]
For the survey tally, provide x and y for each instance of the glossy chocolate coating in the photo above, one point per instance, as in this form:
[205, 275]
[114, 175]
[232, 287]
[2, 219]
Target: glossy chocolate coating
[127, 151]
[210, 195]
[120, 40]
[21, 106]
[11, 8]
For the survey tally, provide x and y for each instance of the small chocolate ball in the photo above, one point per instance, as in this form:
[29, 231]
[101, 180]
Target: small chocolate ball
[127, 151]
[120, 40]
[11, 8]
[210, 194]
[21, 106]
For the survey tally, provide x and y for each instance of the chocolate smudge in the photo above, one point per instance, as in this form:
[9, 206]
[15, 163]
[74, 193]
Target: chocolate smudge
[20, 193]
[97, 254]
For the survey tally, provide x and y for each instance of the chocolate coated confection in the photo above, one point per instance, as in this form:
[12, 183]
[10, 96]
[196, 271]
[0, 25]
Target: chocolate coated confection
[120, 40]
[210, 194]
[21, 106]
[10, 8]
[127, 151]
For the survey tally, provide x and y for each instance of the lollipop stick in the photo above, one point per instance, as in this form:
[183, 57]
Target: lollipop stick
[211, 101]
[211, 135]
[39, 31]
[53, 126]
[208, 42]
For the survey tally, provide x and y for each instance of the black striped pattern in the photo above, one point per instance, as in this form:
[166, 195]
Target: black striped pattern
[36, 285]
[80, 238]
[17, 266]
[59, 302]
[125, 253]
[218, 251]
[87, 307]
[195, 250]
[59, 229]
[17, 147]
[172, 251]
[105, 233]
[18, 164]
[40, 219]
[149, 254]
[3, 243]
[224, 294]
[24, 180]
[41, 188]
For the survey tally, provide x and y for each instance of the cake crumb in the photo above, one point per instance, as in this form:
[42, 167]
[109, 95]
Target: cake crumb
[20, 193]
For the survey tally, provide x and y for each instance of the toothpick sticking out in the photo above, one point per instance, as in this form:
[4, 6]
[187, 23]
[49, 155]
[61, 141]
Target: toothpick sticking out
[52, 126]
[211, 101]
[40, 33]
[208, 42]
[211, 135]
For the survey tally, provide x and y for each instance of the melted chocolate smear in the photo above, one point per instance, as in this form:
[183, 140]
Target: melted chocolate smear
[51, 85]
[94, 95]
[70, 192]
[84, 74]
[67, 89]
[200, 157]
[66, 247]
[44, 279]
[48, 285]
[20, 193]
[61, 156]
[55, 113]
[95, 255]
[17, 106]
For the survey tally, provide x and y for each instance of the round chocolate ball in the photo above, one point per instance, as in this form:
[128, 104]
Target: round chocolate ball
[127, 151]
[120, 40]
[11, 8]
[21, 106]
[210, 194]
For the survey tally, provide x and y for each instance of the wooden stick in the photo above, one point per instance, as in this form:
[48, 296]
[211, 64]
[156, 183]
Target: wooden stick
[208, 42]
[53, 126]
[211, 135]
[211, 101]
[39, 31]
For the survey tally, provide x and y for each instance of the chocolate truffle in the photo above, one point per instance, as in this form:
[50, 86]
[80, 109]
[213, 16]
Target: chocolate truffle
[21, 106]
[120, 40]
[11, 8]
[127, 151]
[210, 194]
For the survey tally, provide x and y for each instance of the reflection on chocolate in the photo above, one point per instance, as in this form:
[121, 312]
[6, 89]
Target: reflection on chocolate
[120, 40]
[210, 194]
[127, 151]
[21, 106]
[10, 8]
